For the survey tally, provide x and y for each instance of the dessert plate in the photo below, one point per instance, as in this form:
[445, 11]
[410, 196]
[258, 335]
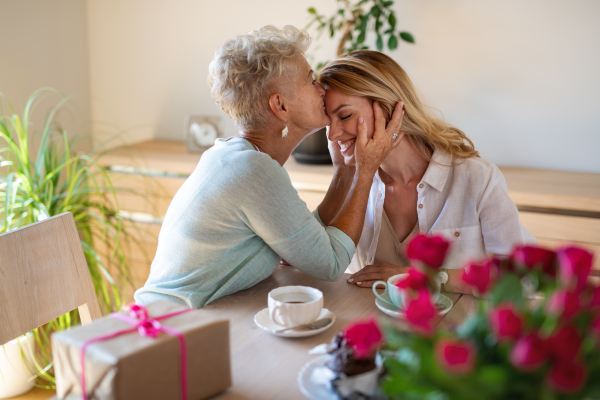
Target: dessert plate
[443, 305]
[313, 390]
[263, 321]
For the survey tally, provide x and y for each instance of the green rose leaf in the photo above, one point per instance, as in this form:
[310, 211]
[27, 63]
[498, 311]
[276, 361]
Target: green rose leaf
[508, 289]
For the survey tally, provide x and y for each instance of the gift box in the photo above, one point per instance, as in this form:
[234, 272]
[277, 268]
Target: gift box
[162, 351]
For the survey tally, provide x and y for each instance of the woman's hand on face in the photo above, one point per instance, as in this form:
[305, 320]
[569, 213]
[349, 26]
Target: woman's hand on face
[370, 153]
[337, 157]
[370, 274]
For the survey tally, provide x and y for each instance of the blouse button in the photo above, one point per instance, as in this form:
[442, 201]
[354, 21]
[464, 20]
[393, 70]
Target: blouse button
[457, 234]
[420, 205]
[421, 186]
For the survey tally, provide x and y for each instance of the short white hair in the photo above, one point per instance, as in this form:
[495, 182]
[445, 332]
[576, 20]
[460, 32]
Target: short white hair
[243, 72]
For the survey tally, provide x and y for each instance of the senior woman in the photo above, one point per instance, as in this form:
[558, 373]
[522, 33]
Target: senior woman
[237, 214]
[433, 182]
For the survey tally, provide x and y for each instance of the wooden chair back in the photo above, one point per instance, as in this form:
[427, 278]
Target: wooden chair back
[43, 275]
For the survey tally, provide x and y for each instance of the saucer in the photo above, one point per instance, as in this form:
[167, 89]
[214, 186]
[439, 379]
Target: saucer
[314, 390]
[263, 321]
[443, 305]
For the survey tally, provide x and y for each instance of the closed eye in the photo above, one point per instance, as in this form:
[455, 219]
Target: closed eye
[346, 117]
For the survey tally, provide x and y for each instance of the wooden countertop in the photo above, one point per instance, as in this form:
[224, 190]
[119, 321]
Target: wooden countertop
[527, 187]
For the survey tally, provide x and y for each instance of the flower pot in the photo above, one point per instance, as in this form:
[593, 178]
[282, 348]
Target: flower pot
[313, 149]
[15, 378]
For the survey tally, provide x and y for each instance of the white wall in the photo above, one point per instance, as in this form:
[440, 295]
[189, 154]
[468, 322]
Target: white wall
[149, 60]
[44, 44]
[519, 77]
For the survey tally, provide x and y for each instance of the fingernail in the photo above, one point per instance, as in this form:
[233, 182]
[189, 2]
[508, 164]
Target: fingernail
[358, 283]
[350, 280]
[361, 120]
[402, 103]
[402, 112]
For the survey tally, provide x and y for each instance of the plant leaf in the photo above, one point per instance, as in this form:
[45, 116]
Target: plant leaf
[379, 43]
[508, 289]
[392, 42]
[407, 37]
[392, 21]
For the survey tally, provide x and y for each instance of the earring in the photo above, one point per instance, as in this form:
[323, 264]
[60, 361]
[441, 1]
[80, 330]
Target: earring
[284, 132]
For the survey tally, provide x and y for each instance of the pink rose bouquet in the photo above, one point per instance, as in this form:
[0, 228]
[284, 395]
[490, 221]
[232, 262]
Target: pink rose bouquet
[547, 347]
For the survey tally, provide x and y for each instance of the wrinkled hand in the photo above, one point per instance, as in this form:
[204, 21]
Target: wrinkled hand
[370, 153]
[370, 274]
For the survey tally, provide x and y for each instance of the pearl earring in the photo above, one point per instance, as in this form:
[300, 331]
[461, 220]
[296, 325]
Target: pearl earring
[284, 132]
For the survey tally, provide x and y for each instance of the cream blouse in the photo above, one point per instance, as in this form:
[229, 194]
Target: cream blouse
[466, 201]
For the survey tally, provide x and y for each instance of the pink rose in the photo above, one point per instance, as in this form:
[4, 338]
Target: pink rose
[481, 276]
[506, 322]
[564, 345]
[595, 297]
[420, 312]
[364, 337]
[564, 303]
[456, 357]
[575, 265]
[431, 250]
[528, 353]
[503, 263]
[567, 376]
[415, 280]
[535, 258]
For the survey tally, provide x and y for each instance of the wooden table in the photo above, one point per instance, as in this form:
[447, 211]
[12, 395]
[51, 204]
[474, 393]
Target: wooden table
[265, 366]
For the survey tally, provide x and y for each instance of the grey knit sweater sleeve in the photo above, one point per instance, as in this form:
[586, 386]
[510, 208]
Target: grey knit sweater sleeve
[229, 225]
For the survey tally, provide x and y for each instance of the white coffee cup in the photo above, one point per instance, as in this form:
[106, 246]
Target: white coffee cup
[295, 305]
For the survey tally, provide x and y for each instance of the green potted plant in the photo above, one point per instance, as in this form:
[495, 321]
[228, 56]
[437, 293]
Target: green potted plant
[354, 20]
[41, 175]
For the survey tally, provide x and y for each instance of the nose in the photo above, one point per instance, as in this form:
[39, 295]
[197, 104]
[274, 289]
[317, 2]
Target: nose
[321, 90]
[333, 132]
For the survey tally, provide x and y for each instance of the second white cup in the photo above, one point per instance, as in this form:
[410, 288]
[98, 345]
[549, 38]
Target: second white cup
[295, 305]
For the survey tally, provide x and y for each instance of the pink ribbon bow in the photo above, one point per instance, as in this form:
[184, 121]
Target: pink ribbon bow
[138, 317]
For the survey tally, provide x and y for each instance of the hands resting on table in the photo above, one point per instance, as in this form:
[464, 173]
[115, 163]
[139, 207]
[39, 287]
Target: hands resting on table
[367, 276]
[370, 274]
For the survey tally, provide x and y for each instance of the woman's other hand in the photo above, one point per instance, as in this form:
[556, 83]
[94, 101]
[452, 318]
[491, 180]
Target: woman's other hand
[370, 153]
[370, 274]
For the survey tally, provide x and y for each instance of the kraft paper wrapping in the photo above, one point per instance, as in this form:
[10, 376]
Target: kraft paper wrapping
[131, 366]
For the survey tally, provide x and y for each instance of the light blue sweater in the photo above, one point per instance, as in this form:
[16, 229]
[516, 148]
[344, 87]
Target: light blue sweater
[229, 225]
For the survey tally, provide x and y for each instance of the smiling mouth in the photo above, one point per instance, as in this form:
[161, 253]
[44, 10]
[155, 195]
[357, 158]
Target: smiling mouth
[346, 144]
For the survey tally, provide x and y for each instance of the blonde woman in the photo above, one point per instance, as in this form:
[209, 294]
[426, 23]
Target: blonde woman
[238, 214]
[433, 182]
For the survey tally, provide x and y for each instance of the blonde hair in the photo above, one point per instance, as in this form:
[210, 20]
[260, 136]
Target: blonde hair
[243, 74]
[378, 77]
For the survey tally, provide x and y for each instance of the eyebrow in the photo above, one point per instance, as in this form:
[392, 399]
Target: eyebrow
[339, 107]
